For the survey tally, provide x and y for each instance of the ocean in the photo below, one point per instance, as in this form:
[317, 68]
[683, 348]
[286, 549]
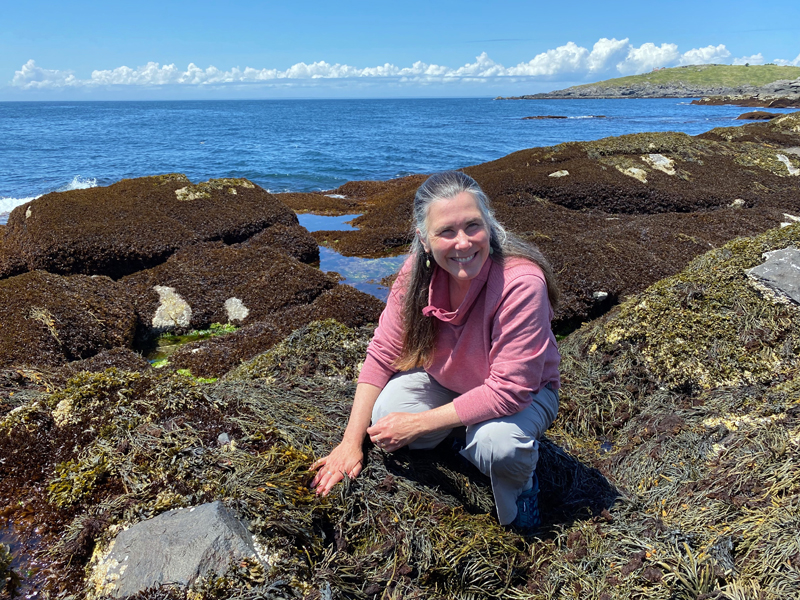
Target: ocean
[301, 145]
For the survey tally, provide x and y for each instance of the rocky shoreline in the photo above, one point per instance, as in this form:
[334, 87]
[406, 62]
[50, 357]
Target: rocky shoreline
[680, 365]
[779, 94]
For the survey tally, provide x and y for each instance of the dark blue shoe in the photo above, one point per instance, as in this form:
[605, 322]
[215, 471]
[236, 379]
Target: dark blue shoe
[528, 519]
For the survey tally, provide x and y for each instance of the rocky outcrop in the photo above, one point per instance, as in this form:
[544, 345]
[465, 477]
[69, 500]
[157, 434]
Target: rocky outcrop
[673, 463]
[216, 283]
[10, 263]
[758, 115]
[779, 94]
[136, 224]
[49, 320]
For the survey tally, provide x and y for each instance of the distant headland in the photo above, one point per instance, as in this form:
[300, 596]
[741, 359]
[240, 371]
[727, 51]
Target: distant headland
[770, 86]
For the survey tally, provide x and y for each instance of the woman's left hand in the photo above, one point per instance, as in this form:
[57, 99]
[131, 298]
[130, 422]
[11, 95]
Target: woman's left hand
[395, 430]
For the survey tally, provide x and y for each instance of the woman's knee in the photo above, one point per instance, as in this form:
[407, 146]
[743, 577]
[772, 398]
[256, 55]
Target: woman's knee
[502, 449]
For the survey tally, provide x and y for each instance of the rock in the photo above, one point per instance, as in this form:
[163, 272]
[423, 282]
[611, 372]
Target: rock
[293, 240]
[758, 115]
[790, 220]
[10, 262]
[738, 203]
[49, 320]
[634, 172]
[660, 163]
[779, 274]
[602, 228]
[176, 547]
[214, 283]
[561, 173]
[136, 224]
[172, 312]
[793, 171]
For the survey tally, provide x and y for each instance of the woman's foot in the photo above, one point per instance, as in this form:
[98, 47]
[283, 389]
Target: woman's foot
[528, 519]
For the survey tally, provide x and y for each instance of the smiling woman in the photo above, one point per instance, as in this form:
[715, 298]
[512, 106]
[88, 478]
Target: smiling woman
[465, 341]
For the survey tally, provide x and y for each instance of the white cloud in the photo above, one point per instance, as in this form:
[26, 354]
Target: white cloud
[705, 56]
[648, 57]
[788, 63]
[570, 62]
[606, 52]
[755, 59]
[31, 77]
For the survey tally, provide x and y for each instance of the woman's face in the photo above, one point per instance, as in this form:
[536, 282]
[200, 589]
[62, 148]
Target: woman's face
[458, 237]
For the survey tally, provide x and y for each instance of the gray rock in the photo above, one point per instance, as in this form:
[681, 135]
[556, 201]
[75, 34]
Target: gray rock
[779, 274]
[175, 547]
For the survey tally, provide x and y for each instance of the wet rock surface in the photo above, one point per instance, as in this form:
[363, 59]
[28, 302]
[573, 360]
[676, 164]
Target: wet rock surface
[758, 115]
[175, 548]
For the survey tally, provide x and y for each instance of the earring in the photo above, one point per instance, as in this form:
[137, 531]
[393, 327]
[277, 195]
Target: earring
[491, 250]
[428, 262]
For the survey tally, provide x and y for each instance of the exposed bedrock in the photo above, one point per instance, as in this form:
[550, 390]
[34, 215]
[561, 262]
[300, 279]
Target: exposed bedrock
[134, 224]
[49, 320]
[613, 215]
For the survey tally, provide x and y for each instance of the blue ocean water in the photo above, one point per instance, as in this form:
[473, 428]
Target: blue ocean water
[301, 145]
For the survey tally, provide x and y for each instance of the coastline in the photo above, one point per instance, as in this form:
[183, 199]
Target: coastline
[653, 236]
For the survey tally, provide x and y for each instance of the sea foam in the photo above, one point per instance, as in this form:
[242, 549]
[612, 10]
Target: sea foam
[8, 204]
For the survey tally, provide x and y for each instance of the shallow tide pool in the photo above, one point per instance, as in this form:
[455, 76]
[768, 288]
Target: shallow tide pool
[364, 274]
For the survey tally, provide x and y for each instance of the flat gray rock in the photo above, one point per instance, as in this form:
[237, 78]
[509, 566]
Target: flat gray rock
[175, 547]
[779, 274]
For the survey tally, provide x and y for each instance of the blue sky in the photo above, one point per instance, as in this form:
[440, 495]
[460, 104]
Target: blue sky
[299, 48]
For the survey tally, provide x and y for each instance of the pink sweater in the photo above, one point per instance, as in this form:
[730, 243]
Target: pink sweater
[494, 350]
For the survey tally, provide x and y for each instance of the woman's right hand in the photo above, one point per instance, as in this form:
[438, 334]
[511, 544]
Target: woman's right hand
[345, 460]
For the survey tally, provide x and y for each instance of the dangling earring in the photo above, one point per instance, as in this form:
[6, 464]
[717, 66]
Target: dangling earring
[491, 250]
[428, 262]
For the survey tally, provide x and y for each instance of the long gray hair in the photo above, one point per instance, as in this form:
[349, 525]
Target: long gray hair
[419, 331]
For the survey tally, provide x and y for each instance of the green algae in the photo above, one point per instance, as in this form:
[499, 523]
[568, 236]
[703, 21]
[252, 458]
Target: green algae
[168, 343]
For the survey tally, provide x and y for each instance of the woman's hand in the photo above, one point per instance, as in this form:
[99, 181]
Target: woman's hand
[345, 460]
[396, 430]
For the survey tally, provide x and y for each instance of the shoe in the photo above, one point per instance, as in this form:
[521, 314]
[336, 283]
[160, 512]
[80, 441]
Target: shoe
[528, 519]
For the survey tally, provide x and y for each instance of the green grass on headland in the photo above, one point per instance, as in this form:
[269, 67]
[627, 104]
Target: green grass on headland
[705, 75]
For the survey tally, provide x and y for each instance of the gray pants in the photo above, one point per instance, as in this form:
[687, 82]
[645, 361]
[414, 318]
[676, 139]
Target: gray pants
[505, 449]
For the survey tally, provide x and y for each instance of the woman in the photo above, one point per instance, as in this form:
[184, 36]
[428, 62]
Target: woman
[464, 340]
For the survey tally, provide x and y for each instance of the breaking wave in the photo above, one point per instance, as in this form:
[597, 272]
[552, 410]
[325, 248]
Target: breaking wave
[8, 204]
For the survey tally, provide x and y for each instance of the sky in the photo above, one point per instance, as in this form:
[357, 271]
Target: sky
[262, 49]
